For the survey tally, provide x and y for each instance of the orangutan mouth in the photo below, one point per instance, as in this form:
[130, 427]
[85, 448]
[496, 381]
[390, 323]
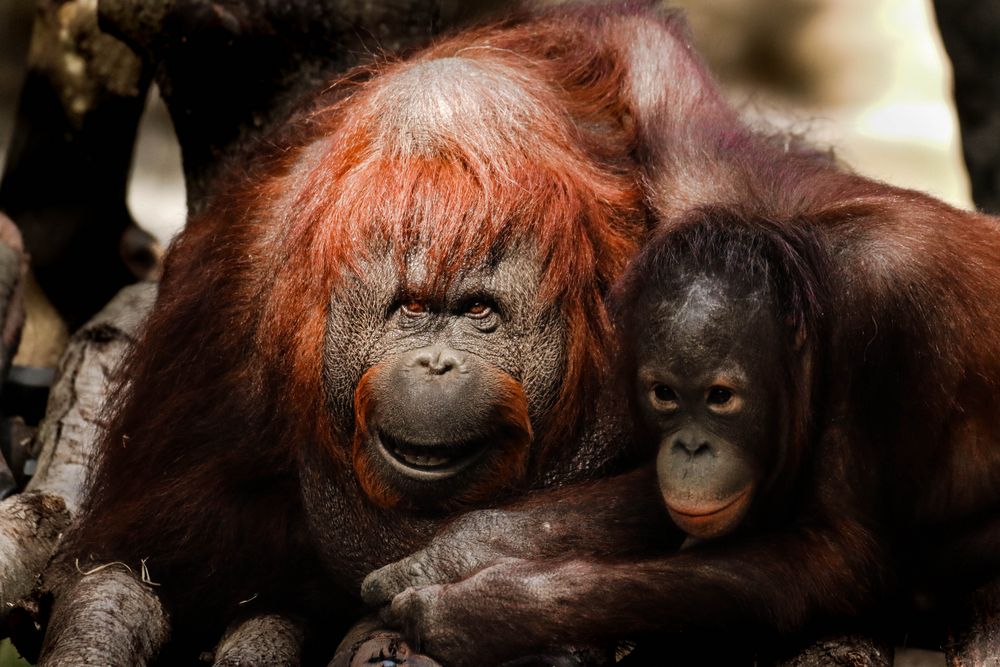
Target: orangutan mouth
[436, 459]
[706, 520]
[699, 510]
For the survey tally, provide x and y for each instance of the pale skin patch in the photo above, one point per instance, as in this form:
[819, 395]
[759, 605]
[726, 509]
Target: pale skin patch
[432, 105]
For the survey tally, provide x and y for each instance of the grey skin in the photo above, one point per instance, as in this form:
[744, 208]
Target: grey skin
[710, 336]
[704, 386]
[707, 388]
[440, 360]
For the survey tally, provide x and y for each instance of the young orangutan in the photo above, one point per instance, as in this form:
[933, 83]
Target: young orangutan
[813, 360]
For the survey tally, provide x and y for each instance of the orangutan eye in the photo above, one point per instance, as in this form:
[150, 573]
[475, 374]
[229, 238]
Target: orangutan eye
[722, 398]
[414, 308]
[478, 310]
[664, 394]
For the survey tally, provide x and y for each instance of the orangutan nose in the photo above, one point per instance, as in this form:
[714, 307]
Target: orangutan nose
[691, 447]
[437, 360]
[436, 394]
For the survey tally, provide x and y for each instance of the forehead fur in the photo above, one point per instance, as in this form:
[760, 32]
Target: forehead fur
[751, 260]
[454, 158]
[704, 308]
[449, 160]
[432, 107]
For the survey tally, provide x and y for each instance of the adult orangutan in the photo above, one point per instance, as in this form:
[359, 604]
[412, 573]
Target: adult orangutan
[812, 359]
[393, 313]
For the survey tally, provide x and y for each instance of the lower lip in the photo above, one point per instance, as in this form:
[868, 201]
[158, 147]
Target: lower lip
[698, 517]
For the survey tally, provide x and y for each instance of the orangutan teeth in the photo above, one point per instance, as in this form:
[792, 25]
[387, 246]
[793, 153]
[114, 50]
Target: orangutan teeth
[420, 460]
[430, 458]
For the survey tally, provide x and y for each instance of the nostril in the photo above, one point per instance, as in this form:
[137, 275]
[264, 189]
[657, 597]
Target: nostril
[440, 364]
[437, 361]
[421, 360]
[692, 451]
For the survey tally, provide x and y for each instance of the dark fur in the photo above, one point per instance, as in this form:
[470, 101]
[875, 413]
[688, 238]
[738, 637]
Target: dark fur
[889, 474]
[229, 410]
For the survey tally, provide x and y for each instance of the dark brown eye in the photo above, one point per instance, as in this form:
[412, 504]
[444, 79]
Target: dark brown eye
[664, 394]
[478, 310]
[414, 308]
[719, 396]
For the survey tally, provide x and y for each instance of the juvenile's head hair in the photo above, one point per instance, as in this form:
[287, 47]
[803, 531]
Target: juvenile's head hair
[751, 256]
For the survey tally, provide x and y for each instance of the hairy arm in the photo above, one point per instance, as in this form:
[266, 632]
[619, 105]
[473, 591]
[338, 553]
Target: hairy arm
[771, 583]
[614, 517]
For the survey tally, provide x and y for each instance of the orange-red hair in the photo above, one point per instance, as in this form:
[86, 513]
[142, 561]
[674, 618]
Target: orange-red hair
[525, 168]
[226, 385]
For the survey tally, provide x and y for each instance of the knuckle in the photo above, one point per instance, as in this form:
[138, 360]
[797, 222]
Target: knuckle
[408, 608]
[372, 589]
[417, 569]
[380, 585]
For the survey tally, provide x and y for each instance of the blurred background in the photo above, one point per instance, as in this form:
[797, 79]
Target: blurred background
[156, 189]
[869, 78]
[882, 82]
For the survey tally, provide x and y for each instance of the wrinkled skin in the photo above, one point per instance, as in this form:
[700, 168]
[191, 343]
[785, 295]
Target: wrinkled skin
[436, 594]
[705, 387]
[706, 363]
[485, 351]
[440, 373]
[395, 315]
[410, 344]
[882, 295]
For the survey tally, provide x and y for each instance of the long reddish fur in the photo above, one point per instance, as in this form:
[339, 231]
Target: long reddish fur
[198, 464]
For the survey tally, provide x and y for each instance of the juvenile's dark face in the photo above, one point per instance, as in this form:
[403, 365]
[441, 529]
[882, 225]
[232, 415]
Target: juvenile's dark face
[441, 390]
[706, 385]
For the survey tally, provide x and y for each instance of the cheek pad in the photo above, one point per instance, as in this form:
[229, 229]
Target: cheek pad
[543, 357]
[354, 342]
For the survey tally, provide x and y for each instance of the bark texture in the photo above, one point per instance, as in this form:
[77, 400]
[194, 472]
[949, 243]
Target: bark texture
[13, 280]
[230, 70]
[974, 635]
[68, 164]
[261, 641]
[32, 522]
[107, 617]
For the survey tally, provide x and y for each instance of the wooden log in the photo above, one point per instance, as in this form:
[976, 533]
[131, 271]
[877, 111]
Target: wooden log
[8, 484]
[107, 617]
[68, 165]
[32, 522]
[13, 279]
[74, 413]
[227, 70]
[267, 640]
[849, 650]
[974, 629]
[30, 527]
